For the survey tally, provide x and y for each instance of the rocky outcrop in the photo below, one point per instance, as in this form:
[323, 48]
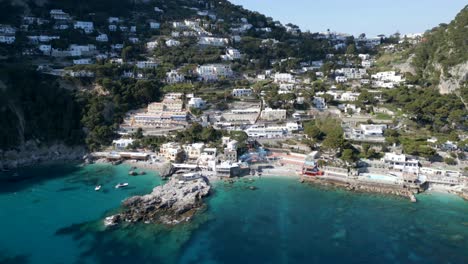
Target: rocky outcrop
[458, 74]
[365, 187]
[170, 204]
[31, 153]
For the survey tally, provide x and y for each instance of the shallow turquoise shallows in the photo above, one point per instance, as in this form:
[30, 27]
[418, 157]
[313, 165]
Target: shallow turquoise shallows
[53, 215]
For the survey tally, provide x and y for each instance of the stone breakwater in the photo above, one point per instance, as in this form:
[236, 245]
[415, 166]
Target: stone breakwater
[172, 203]
[366, 187]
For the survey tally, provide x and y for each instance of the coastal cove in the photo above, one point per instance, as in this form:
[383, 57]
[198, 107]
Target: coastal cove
[51, 214]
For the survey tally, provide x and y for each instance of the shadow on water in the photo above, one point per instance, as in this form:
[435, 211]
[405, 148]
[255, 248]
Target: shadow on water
[16, 259]
[26, 177]
[135, 243]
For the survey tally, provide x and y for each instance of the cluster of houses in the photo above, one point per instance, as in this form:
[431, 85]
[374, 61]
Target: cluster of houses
[166, 114]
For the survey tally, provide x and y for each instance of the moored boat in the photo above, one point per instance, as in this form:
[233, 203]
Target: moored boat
[97, 188]
[120, 185]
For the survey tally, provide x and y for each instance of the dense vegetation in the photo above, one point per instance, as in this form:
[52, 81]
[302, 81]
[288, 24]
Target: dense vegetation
[445, 45]
[429, 109]
[34, 107]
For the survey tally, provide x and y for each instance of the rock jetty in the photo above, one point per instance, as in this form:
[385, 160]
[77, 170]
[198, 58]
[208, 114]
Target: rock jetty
[170, 204]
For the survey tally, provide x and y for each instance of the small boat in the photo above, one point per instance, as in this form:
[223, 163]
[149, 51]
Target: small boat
[97, 188]
[142, 173]
[120, 185]
[132, 173]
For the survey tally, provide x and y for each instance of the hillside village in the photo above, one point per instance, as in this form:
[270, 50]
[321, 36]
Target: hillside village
[228, 95]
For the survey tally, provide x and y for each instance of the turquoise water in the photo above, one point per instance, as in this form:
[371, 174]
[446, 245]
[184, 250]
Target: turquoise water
[53, 215]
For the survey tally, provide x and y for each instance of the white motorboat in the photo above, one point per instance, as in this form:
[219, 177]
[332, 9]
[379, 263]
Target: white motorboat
[97, 188]
[120, 185]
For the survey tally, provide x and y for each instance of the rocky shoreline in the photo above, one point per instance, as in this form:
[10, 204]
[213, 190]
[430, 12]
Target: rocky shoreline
[363, 188]
[33, 153]
[172, 203]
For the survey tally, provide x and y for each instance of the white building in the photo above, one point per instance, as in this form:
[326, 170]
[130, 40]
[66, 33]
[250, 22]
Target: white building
[242, 92]
[174, 77]
[401, 162]
[367, 63]
[284, 78]
[58, 14]
[320, 103]
[154, 25]
[7, 39]
[364, 56]
[194, 151]
[172, 43]
[349, 97]
[88, 27]
[112, 28]
[242, 115]
[102, 38]
[148, 64]
[7, 29]
[122, 143]
[387, 76]
[152, 45]
[82, 61]
[113, 20]
[341, 79]
[196, 102]
[212, 72]
[46, 49]
[270, 114]
[213, 41]
[262, 131]
[231, 54]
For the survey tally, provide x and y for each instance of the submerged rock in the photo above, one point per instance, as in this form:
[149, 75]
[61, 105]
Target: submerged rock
[172, 203]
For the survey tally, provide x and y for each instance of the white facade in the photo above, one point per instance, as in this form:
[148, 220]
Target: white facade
[7, 39]
[389, 76]
[152, 45]
[270, 114]
[401, 162]
[213, 41]
[320, 103]
[196, 102]
[112, 20]
[341, 79]
[174, 77]
[284, 77]
[214, 71]
[172, 43]
[231, 54]
[58, 14]
[102, 38]
[241, 92]
[82, 61]
[266, 132]
[149, 64]
[154, 25]
[88, 27]
[122, 143]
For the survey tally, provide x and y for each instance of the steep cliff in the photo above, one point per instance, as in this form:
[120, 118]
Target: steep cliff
[442, 57]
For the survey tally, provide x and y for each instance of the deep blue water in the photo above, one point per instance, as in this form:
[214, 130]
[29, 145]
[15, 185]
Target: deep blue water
[53, 215]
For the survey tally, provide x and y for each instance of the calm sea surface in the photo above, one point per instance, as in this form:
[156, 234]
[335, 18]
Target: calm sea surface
[53, 215]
